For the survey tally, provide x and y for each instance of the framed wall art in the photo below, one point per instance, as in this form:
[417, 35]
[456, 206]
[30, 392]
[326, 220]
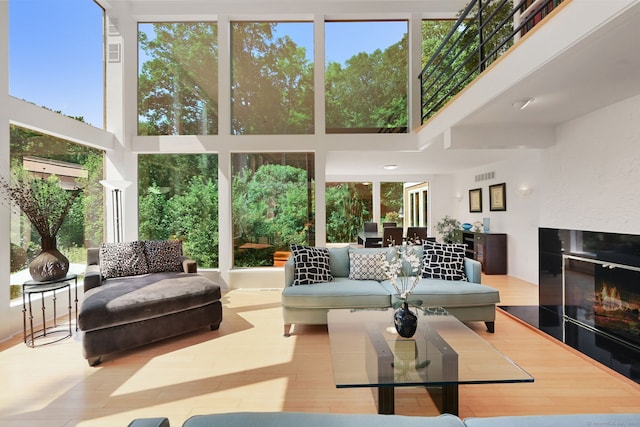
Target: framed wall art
[498, 197]
[475, 200]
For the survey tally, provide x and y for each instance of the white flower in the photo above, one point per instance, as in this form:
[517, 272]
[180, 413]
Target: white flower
[403, 270]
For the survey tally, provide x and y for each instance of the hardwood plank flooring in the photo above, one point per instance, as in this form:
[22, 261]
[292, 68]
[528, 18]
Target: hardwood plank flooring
[249, 366]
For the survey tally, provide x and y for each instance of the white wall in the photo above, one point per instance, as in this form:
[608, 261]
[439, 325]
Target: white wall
[520, 220]
[5, 325]
[590, 179]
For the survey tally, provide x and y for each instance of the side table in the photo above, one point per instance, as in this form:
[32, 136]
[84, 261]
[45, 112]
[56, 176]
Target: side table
[32, 287]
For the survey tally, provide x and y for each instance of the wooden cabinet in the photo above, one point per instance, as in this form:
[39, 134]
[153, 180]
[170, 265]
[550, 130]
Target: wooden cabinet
[488, 248]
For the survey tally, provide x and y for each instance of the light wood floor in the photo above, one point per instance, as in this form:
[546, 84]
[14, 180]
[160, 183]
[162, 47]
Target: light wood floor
[249, 366]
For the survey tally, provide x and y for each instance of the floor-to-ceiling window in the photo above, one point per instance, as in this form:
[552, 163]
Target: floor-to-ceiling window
[366, 76]
[273, 205]
[178, 199]
[56, 61]
[271, 78]
[178, 78]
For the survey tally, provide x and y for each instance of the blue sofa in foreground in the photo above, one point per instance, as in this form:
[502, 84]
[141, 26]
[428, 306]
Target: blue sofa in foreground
[296, 419]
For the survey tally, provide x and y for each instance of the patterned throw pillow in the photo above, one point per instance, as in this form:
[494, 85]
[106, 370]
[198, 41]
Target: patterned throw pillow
[311, 265]
[163, 255]
[122, 259]
[444, 261]
[367, 266]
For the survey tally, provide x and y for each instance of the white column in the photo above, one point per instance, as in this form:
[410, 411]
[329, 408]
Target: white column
[121, 75]
[225, 216]
[320, 195]
[375, 207]
[8, 318]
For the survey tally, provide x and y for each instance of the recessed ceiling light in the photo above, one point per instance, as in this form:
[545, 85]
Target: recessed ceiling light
[390, 167]
[523, 103]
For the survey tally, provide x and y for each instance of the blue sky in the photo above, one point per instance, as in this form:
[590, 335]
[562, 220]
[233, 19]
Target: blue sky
[345, 39]
[55, 55]
[56, 52]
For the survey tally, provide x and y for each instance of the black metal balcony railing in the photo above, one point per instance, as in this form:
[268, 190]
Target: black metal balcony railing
[484, 31]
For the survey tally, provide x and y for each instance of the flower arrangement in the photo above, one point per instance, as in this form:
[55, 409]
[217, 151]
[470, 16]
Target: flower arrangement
[446, 227]
[403, 271]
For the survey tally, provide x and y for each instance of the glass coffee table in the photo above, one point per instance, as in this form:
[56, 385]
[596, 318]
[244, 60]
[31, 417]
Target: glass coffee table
[366, 351]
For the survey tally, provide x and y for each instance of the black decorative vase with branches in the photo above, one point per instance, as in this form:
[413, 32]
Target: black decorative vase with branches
[50, 264]
[405, 321]
[46, 204]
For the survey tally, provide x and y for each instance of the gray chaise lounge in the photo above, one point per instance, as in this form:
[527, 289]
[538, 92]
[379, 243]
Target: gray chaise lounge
[140, 292]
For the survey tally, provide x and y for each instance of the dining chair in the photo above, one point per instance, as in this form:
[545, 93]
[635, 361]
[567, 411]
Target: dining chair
[391, 236]
[370, 226]
[389, 224]
[416, 235]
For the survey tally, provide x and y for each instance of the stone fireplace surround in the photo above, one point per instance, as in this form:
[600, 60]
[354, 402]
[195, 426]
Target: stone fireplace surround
[577, 272]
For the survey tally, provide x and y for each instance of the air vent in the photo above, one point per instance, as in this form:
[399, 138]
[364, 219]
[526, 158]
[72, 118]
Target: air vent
[113, 52]
[485, 176]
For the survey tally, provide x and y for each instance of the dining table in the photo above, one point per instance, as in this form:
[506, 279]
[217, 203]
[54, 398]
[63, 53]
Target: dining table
[370, 238]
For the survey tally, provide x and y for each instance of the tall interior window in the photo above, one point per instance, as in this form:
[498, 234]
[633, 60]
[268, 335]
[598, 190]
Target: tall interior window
[71, 166]
[178, 78]
[56, 56]
[366, 79]
[416, 211]
[178, 199]
[273, 205]
[349, 205]
[271, 78]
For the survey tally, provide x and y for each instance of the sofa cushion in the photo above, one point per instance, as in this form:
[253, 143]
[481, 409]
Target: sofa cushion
[122, 259]
[163, 255]
[444, 262]
[389, 250]
[311, 265]
[339, 261]
[340, 293]
[446, 293]
[307, 419]
[130, 299]
[367, 266]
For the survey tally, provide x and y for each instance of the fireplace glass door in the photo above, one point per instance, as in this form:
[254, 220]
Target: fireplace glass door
[603, 296]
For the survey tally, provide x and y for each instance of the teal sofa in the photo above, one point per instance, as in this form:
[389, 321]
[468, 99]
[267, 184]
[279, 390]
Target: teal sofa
[469, 301]
[295, 419]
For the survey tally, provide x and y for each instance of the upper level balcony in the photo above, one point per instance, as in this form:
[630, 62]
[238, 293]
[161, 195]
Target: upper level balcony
[581, 57]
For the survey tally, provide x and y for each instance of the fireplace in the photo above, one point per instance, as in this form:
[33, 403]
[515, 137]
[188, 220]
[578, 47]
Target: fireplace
[589, 295]
[604, 296]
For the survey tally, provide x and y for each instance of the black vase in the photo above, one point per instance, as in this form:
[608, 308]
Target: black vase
[49, 264]
[405, 321]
